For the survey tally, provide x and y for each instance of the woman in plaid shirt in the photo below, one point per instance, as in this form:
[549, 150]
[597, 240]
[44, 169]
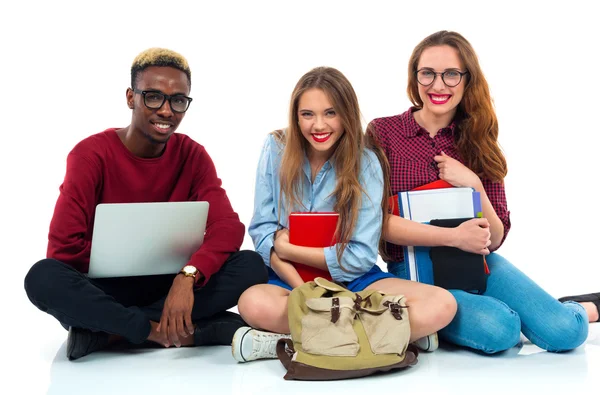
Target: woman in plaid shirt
[451, 134]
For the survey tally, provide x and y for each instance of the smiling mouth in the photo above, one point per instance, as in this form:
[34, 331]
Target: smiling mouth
[439, 99]
[321, 137]
[161, 127]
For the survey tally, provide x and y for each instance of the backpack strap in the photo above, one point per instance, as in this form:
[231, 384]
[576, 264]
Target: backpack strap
[285, 356]
[335, 309]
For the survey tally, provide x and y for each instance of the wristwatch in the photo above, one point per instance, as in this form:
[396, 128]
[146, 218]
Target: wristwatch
[189, 271]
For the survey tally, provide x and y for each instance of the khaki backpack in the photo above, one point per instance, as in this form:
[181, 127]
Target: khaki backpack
[339, 334]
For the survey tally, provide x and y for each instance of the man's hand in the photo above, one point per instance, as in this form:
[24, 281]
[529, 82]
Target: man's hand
[176, 319]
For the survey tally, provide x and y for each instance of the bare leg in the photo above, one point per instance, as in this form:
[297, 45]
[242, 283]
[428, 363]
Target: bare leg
[592, 311]
[430, 308]
[264, 306]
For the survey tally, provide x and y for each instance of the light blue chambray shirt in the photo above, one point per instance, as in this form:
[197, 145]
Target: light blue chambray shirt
[361, 252]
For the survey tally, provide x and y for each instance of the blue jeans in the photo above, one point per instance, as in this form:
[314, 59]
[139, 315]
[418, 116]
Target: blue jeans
[512, 304]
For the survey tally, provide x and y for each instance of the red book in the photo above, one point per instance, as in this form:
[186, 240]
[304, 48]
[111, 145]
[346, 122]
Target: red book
[312, 230]
[437, 184]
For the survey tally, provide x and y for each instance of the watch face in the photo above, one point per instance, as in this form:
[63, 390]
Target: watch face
[190, 269]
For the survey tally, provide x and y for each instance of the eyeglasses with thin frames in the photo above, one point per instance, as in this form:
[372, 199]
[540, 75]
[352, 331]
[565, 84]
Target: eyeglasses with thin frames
[155, 99]
[450, 77]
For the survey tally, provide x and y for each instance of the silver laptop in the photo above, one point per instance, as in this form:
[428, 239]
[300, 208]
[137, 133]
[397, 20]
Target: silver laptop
[138, 239]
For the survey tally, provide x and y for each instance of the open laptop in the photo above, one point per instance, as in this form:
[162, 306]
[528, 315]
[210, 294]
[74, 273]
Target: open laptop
[139, 239]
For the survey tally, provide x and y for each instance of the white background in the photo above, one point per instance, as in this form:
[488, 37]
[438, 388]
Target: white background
[65, 68]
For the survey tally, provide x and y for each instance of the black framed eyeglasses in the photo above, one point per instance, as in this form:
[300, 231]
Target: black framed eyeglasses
[451, 77]
[155, 100]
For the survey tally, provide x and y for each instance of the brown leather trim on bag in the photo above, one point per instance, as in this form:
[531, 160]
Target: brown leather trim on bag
[335, 309]
[357, 302]
[300, 371]
[395, 309]
[285, 356]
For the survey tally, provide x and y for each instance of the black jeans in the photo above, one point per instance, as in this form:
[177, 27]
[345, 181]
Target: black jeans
[125, 306]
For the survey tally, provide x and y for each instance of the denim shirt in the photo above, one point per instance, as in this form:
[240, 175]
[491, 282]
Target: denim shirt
[361, 252]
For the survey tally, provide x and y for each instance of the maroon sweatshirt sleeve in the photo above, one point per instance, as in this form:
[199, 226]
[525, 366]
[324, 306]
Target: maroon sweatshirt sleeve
[224, 231]
[69, 239]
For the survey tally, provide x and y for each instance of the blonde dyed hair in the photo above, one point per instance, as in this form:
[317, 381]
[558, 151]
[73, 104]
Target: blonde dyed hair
[159, 57]
[346, 159]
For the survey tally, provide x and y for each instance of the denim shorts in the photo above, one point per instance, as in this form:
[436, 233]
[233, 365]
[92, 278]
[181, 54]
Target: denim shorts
[356, 285]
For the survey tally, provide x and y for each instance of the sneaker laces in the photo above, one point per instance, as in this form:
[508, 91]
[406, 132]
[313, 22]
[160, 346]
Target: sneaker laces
[264, 345]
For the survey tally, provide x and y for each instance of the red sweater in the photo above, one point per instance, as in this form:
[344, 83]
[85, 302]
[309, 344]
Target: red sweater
[100, 169]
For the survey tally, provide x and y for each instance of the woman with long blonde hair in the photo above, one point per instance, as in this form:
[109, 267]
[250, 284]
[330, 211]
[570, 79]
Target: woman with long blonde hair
[319, 164]
[451, 133]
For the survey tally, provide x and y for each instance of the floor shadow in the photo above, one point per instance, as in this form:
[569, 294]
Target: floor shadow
[132, 370]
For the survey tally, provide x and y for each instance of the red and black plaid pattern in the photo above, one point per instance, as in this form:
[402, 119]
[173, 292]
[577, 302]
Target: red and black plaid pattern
[410, 151]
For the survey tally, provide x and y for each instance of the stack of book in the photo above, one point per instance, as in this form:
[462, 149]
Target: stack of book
[440, 204]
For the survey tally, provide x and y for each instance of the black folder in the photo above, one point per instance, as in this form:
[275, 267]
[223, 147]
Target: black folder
[454, 268]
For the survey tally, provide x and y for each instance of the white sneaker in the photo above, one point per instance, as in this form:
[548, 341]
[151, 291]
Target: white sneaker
[249, 344]
[428, 343]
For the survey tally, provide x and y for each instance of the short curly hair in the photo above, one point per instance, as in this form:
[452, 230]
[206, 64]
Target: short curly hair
[160, 57]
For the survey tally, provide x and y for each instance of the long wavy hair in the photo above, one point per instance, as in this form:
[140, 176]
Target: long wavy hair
[346, 158]
[477, 137]
[372, 142]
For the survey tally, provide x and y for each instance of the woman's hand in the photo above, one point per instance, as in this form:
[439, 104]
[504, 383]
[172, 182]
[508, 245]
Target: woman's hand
[455, 173]
[473, 236]
[282, 241]
[286, 251]
[285, 270]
